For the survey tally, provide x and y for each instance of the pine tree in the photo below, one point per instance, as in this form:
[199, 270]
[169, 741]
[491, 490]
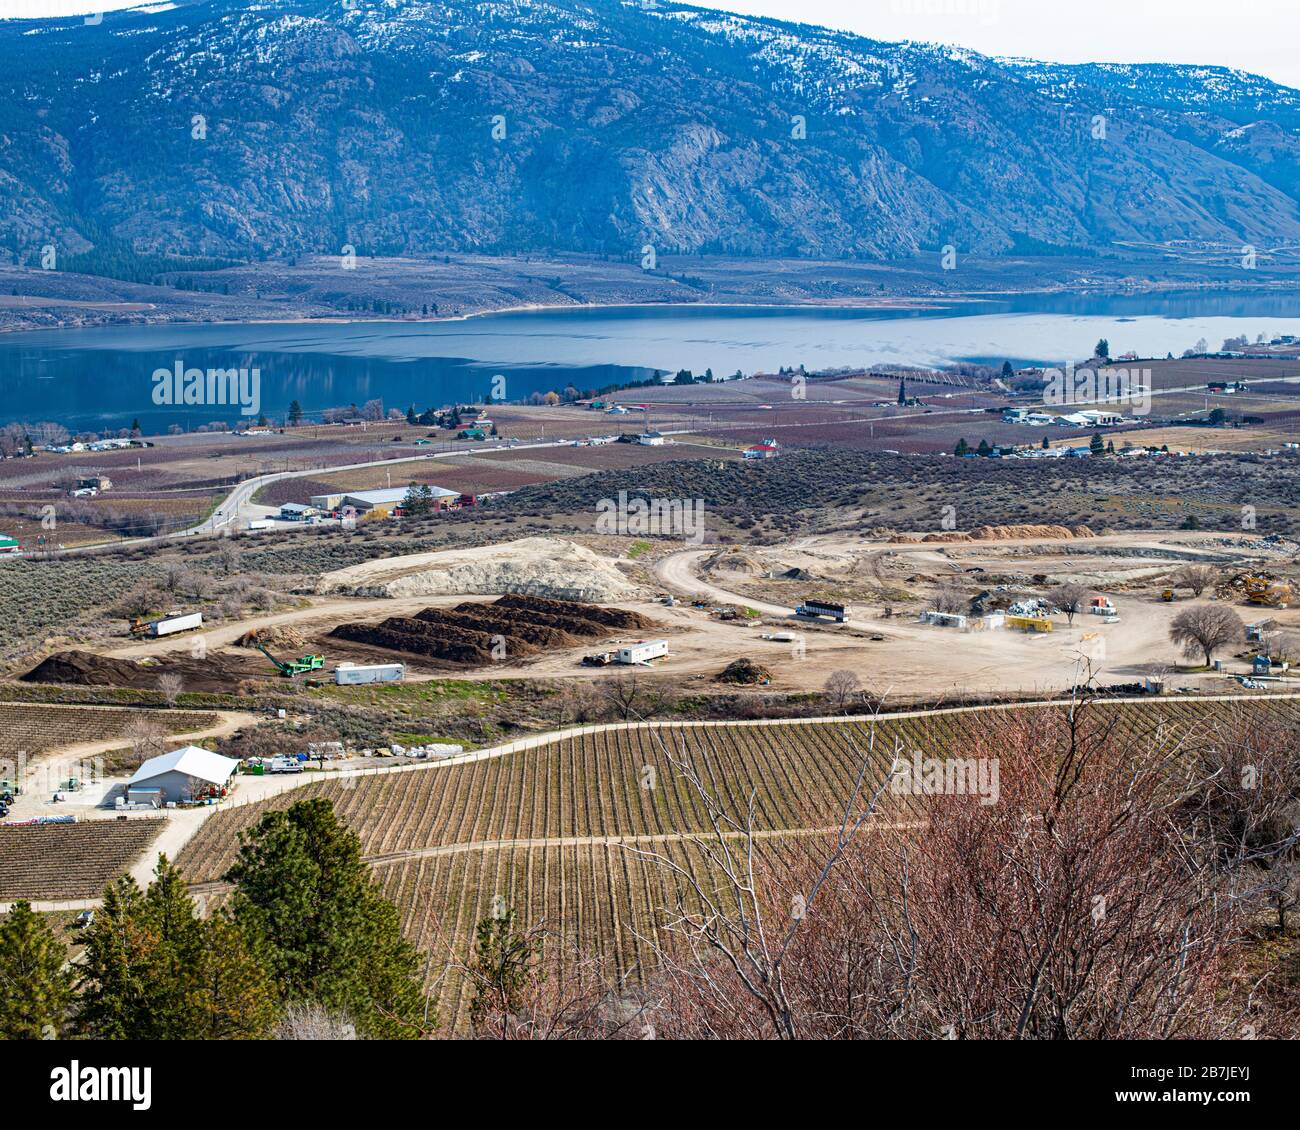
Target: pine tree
[295, 414]
[902, 391]
[35, 991]
[410, 414]
[155, 970]
[1096, 446]
[501, 967]
[1046, 445]
[983, 448]
[325, 931]
[117, 965]
[962, 446]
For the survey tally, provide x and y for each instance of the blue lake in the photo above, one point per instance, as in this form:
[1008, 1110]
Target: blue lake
[100, 378]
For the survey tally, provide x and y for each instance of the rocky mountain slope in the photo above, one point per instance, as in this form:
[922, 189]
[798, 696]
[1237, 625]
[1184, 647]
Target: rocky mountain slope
[245, 129]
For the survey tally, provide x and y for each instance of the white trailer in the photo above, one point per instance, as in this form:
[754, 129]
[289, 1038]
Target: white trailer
[642, 652]
[348, 674]
[183, 622]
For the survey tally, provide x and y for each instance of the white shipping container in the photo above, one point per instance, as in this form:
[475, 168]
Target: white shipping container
[350, 673]
[170, 624]
[643, 651]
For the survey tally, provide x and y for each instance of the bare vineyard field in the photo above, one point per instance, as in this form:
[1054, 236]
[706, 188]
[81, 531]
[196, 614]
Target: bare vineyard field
[69, 861]
[610, 783]
[31, 728]
[561, 832]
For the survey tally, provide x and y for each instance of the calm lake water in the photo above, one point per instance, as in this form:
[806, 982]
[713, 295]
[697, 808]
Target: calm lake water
[98, 378]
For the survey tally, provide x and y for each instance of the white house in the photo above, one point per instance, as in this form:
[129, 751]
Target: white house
[182, 775]
[651, 439]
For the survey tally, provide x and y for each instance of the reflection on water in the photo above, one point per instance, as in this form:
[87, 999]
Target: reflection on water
[102, 377]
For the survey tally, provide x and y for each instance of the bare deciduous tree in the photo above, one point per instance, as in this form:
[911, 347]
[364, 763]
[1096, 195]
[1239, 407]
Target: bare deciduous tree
[950, 598]
[1070, 599]
[839, 689]
[1206, 628]
[171, 685]
[1196, 577]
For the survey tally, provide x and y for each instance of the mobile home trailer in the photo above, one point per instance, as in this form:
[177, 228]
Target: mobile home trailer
[642, 652]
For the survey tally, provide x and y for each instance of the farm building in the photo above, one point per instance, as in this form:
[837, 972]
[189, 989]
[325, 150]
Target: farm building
[651, 439]
[185, 774]
[297, 512]
[762, 451]
[377, 502]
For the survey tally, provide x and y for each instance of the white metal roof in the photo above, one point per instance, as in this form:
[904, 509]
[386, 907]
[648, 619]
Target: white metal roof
[396, 494]
[190, 760]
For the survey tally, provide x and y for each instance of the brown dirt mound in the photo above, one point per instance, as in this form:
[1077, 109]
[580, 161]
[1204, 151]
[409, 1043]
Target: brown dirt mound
[283, 636]
[444, 642]
[474, 633]
[611, 617]
[744, 672]
[215, 674]
[999, 533]
[512, 627]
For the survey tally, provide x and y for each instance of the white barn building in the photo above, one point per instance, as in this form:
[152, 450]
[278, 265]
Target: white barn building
[179, 776]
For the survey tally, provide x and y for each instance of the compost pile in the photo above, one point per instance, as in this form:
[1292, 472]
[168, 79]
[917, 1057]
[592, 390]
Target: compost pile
[215, 675]
[283, 637]
[744, 673]
[515, 626]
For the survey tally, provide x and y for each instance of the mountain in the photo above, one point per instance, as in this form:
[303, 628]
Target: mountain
[245, 129]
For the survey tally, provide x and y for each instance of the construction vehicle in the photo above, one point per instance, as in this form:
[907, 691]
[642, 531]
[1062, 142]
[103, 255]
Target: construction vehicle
[294, 667]
[1167, 595]
[1262, 590]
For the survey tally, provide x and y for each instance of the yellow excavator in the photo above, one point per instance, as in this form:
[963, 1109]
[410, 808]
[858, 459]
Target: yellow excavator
[1271, 594]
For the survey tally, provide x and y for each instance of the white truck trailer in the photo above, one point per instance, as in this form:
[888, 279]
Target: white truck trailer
[348, 674]
[168, 625]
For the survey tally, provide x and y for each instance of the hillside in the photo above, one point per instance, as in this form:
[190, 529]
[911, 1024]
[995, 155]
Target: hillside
[234, 130]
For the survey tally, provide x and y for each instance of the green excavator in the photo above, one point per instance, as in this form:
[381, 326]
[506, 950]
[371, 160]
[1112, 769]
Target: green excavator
[294, 667]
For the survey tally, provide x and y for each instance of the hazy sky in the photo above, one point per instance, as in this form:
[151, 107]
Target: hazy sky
[1255, 35]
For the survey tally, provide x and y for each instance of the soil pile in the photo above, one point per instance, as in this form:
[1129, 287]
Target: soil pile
[215, 674]
[744, 673]
[282, 637]
[546, 567]
[475, 634]
[999, 533]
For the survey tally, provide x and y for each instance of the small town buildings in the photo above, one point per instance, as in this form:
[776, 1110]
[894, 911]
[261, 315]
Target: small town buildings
[761, 451]
[377, 503]
[297, 512]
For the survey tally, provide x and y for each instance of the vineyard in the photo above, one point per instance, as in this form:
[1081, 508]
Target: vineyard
[559, 831]
[69, 861]
[30, 728]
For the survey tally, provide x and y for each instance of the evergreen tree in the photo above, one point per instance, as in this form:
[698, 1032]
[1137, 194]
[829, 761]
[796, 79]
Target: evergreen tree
[155, 970]
[501, 967]
[117, 981]
[326, 932]
[410, 415]
[1110, 447]
[1046, 444]
[1103, 349]
[35, 991]
[1096, 446]
[962, 447]
[983, 448]
[1007, 370]
[902, 391]
[295, 414]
